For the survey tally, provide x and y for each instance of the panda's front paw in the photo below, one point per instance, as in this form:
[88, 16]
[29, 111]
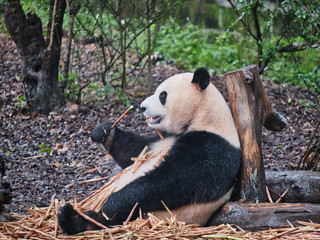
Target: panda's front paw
[69, 220]
[101, 133]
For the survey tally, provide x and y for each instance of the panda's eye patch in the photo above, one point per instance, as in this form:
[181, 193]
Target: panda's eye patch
[163, 97]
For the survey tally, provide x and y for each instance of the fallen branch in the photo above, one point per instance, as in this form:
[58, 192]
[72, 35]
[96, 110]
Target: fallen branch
[257, 216]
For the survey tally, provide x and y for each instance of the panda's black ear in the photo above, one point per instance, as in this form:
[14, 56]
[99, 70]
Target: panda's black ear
[201, 77]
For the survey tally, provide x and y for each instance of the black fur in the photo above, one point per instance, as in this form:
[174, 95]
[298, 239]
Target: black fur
[100, 133]
[200, 167]
[201, 77]
[123, 144]
[72, 223]
[163, 97]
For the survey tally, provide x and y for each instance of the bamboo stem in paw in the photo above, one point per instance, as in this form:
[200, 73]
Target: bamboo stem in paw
[123, 114]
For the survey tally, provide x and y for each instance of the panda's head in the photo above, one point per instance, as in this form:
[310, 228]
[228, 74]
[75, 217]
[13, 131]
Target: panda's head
[174, 104]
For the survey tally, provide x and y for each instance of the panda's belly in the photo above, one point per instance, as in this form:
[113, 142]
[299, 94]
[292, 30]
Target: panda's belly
[158, 150]
[195, 213]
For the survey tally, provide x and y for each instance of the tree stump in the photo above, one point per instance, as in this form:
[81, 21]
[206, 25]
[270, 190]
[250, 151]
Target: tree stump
[251, 109]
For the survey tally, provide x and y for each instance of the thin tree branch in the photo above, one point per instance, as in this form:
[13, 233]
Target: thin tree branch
[246, 26]
[72, 13]
[258, 33]
[304, 46]
[52, 25]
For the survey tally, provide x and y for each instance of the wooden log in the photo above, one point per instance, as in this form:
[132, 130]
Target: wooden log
[259, 216]
[304, 186]
[251, 108]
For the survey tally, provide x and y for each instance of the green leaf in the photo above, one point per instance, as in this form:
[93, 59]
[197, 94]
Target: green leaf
[44, 150]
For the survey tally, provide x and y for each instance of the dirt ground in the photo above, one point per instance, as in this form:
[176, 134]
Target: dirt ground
[53, 155]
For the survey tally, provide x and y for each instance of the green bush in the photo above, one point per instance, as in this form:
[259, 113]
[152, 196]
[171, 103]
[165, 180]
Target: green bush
[190, 47]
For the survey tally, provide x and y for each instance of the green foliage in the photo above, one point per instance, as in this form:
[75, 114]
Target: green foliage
[205, 14]
[44, 149]
[281, 30]
[190, 47]
[39, 7]
[309, 160]
[73, 86]
[306, 15]
[286, 68]
[122, 97]
[21, 105]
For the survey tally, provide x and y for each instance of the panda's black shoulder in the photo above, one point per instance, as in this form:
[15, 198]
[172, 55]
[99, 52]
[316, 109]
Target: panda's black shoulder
[207, 146]
[194, 139]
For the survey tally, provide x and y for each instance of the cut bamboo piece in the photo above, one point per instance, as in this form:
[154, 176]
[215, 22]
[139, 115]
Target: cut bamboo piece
[123, 114]
[160, 135]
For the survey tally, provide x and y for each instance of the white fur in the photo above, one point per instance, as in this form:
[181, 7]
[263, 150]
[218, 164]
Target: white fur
[195, 213]
[187, 106]
[158, 148]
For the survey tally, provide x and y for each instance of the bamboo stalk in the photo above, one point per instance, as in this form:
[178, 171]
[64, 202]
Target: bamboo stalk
[90, 219]
[160, 135]
[268, 195]
[38, 231]
[123, 114]
[282, 196]
[283, 233]
[47, 213]
[131, 213]
[94, 180]
[168, 210]
[160, 158]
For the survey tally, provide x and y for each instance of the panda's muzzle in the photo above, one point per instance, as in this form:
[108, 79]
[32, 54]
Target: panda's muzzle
[154, 120]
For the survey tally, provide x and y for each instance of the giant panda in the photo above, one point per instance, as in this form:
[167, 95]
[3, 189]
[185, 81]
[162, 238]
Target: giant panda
[201, 160]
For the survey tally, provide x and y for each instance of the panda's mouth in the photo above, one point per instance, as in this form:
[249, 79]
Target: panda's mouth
[154, 120]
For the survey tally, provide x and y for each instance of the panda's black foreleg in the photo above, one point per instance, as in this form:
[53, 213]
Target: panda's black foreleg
[72, 223]
[122, 145]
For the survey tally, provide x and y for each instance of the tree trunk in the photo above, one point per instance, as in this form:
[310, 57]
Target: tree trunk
[251, 108]
[40, 69]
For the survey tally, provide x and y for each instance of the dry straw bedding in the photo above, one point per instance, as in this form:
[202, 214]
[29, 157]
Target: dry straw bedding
[41, 223]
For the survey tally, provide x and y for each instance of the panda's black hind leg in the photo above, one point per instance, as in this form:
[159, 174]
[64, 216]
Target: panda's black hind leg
[72, 223]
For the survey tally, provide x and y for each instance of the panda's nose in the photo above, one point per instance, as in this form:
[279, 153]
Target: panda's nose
[143, 109]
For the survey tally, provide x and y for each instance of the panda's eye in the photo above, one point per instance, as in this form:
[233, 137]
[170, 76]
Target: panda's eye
[163, 97]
